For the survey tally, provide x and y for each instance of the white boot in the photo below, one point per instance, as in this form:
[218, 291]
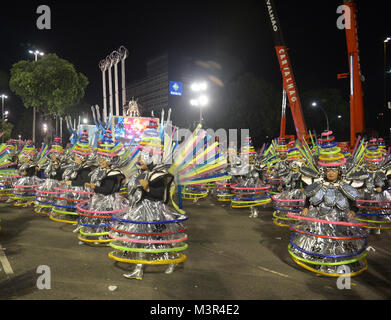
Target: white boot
[170, 269]
[254, 212]
[137, 273]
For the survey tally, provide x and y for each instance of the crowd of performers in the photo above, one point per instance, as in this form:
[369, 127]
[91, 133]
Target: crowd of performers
[125, 197]
[331, 199]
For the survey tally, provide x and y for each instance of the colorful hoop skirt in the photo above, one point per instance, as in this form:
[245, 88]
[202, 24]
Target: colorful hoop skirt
[65, 207]
[195, 192]
[375, 210]
[95, 216]
[224, 191]
[287, 201]
[149, 233]
[45, 196]
[7, 183]
[245, 196]
[24, 190]
[329, 244]
[274, 184]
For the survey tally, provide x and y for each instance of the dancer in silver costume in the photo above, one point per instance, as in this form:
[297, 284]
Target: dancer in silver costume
[328, 240]
[24, 188]
[105, 181]
[71, 189]
[291, 198]
[53, 169]
[372, 181]
[149, 233]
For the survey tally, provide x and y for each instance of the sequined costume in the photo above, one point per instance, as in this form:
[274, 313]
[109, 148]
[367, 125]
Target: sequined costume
[71, 190]
[24, 188]
[291, 197]
[8, 169]
[372, 181]
[149, 233]
[105, 181]
[328, 240]
[53, 167]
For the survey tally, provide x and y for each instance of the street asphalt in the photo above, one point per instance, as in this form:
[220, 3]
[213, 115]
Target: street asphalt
[230, 257]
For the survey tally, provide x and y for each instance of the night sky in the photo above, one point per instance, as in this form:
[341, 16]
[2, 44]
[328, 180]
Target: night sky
[84, 32]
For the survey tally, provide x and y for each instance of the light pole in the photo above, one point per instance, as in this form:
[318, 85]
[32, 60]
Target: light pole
[202, 100]
[3, 96]
[314, 104]
[35, 53]
[385, 71]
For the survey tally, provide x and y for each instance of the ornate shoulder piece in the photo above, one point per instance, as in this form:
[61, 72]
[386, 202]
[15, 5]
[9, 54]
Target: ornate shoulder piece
[312, 189]
[358, 175]
[349, 191]
[380, 175]
[308, 172]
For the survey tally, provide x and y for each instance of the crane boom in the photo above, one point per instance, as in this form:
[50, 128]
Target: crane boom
[289, 83]
[357, 123]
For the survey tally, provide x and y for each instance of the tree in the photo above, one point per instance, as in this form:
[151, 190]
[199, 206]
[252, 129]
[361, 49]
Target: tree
[50, 84]
[3, 81]
[6, 129]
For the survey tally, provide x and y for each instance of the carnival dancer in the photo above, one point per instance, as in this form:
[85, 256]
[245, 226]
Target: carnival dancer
[249, 192]
[328, 240]
[52, 165]
[291, 198]
[375, 200]
[105, 181]
[150, 233]
[8, 169]
[24, 188]
[278, 166]
[71, 190]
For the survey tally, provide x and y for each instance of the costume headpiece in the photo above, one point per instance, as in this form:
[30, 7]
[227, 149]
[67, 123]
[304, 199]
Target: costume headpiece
[330, 153]
[57, 147]
[82, 147]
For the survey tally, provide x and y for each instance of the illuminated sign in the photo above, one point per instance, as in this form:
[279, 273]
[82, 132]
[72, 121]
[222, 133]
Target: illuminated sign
[175, 88]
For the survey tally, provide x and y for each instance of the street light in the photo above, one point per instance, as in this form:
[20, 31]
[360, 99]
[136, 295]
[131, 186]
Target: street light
[3, 96]
[202, 100]
[339, 116]
[35, 53]
[314, 104]
[385, 70]
[85, 120]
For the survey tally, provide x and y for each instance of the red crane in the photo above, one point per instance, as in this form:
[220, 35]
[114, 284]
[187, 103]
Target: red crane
[357, 122]
[289, 83]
